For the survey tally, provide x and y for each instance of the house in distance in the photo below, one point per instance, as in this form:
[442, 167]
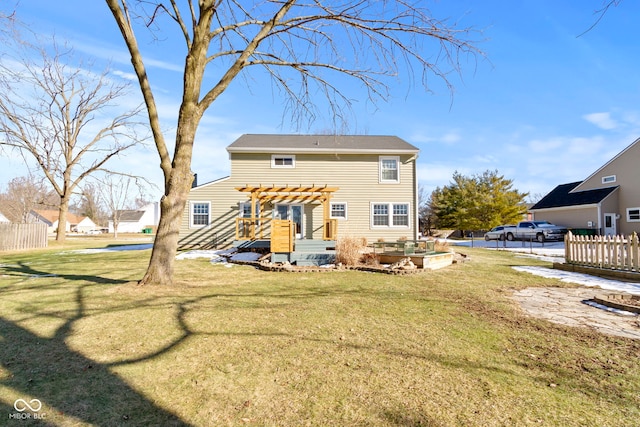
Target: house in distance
[606, 203]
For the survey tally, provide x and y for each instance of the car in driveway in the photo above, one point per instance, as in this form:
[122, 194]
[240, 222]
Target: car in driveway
[496, 233]
[540, 231]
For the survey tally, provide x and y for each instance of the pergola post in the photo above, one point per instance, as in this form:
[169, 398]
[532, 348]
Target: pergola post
[254, 197]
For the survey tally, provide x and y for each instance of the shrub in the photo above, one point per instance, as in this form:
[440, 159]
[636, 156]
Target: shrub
[349, 250]
[441, 246]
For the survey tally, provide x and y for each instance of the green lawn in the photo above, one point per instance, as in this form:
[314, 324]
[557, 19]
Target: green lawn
[239, 346]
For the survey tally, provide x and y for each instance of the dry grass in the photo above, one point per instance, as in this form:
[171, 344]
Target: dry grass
[239, 346]
[442, 246]
[349, 250]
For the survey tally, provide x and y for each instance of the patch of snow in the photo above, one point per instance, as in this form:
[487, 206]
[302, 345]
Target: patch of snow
[582, 279]
[139, 247]
[610, 309]
[245, 256]
[211, 254]
[220, 256]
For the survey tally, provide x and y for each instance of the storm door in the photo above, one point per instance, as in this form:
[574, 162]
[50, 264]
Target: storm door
[293, 213]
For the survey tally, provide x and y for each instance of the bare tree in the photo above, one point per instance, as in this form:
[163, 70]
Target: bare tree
[303, 45]
[121, 192]
[606, 5]
[24, 194]
[53, 113]
[90, 204]
[424, 212]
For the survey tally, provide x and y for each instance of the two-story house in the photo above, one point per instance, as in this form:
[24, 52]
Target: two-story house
[608, 201]
[328, 186]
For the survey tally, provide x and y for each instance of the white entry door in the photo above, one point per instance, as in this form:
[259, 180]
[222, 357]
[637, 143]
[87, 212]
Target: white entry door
[610, 224]
[293, 213]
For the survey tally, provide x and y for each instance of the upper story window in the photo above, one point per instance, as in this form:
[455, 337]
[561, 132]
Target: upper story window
[390, 169]
[608, 179]
[199, 215]
[283, 161]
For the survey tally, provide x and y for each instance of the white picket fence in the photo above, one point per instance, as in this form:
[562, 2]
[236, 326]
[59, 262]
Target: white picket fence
[611, 252]
[15, 237]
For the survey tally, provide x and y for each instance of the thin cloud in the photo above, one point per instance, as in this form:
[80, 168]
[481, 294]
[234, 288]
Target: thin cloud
[602, 120]
[125, 76]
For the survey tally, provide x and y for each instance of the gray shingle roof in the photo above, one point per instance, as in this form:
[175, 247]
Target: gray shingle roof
[130, 215]
[273, 143]
[562, 196]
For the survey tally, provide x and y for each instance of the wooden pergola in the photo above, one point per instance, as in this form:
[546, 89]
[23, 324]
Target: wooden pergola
[261, 194]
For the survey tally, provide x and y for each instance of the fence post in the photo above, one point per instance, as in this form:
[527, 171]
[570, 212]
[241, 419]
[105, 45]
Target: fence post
[635, 252]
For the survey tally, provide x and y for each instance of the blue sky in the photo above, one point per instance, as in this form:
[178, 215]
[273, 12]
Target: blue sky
[545, 107]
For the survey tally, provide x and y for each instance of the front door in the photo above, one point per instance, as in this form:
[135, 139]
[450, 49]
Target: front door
[292, 213]
[610, 224]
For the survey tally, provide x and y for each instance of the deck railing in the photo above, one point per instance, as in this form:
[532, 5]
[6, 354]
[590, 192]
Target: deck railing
[610, 252]
[405, 247]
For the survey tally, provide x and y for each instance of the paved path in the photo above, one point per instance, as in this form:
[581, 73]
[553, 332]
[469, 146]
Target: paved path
[565, 306]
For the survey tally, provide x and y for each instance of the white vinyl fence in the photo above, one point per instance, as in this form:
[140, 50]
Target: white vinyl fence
[15, 237]
[611, 252]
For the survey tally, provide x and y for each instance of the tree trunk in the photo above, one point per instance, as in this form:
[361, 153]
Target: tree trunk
[61, 232]
[161, 265]
[177, 187]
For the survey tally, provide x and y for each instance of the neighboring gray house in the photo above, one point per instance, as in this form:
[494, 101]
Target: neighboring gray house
[607, 202]
[329, 186]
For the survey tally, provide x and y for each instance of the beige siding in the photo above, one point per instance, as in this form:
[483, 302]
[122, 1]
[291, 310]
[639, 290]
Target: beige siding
[220, 232]
[357, 177]
[627, 172]
[569, 217]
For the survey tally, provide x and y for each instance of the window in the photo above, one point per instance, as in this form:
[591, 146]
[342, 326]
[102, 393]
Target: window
[390, 215]
[283, 161]
[380, 215]
[245, 210]
[608, 179]
[339, 210]
[633, 214]
[390, 169]
[199, 214]
[401, 215]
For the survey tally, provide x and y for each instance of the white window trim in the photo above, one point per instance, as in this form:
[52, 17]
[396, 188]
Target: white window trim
[610, 179]
[283, 156]
[390, 215]
[346, 211]
[192, 203]
[388, 181]
[241, 207]
[629, 214]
